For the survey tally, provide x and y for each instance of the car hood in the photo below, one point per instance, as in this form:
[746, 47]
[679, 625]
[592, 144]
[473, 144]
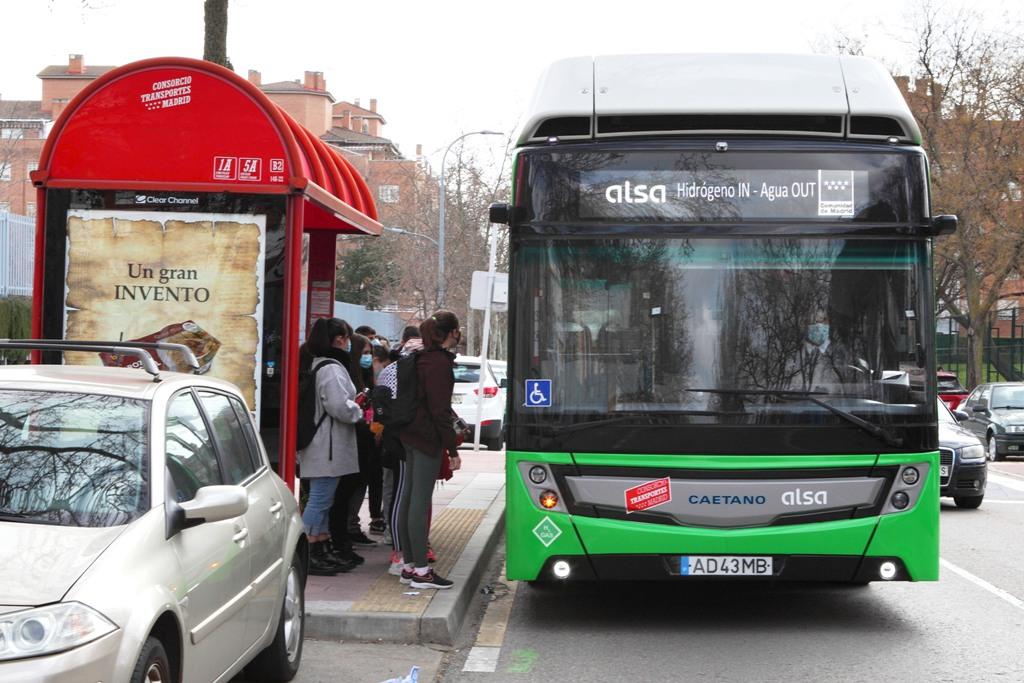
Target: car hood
[39, 562]
[955, 436]
[1008, 416]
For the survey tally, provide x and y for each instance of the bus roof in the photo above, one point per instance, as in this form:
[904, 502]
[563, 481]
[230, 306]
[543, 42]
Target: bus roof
[704, 94]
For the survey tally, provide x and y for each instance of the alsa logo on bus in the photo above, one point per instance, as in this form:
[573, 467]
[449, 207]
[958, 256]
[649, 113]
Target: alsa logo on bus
[800, 497]
[628, 193]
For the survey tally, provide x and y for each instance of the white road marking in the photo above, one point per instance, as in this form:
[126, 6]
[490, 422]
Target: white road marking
[1003, 502]
[978, 581]
[1015, 484]
[482, 659]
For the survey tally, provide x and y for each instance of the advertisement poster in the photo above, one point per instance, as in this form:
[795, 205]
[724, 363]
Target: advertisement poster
[188, 278]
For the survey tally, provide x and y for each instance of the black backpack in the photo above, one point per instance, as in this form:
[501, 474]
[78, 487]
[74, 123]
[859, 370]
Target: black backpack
[400, 410]
[307, 424]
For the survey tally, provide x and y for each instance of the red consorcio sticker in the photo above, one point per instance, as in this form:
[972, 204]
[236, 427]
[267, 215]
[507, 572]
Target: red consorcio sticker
[648, 495]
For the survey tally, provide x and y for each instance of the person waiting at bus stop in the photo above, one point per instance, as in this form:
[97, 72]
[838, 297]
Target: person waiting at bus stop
[428, 439]
[331, 454]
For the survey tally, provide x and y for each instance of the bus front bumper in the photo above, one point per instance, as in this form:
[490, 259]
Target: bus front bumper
[832, 568]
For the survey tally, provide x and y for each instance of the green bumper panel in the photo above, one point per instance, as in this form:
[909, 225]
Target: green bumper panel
[534, 535]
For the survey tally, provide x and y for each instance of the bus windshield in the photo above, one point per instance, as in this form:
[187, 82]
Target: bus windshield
[724, 331]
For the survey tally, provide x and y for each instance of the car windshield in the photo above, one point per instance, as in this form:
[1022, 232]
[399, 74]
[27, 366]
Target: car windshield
[72, 459]
[467, 373]
[950, 384]
[1008, 397]
[945, 415]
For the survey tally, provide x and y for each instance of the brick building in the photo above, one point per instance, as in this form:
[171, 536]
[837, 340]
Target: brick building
[24, 125]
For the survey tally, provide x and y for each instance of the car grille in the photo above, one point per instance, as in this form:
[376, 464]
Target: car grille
[945, 458]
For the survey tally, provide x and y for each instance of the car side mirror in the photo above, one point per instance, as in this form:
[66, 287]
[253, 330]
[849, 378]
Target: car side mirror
[961, 415]
[216, 503]
[981, 406]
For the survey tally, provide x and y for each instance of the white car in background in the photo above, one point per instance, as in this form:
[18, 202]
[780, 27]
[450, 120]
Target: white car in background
[143, 536]
[467, 400]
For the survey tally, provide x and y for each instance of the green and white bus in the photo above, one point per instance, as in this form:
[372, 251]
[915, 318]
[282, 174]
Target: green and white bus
[721, 324]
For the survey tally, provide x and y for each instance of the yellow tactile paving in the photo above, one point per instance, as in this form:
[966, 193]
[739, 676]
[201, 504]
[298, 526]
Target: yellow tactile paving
[449, 534]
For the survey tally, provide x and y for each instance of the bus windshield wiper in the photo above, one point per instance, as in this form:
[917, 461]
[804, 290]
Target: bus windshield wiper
[871, 428]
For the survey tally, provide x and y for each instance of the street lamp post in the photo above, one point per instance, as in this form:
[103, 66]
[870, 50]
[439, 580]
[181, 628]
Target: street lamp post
[440, 220]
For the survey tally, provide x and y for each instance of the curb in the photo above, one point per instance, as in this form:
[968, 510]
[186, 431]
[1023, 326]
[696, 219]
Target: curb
[443, 618]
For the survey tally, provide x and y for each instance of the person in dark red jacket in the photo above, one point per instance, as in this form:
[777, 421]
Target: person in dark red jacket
[427, 439]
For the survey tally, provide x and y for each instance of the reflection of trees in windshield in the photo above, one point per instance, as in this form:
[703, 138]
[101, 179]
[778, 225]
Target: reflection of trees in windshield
[72, 459]
[828, 317]
[620, 323]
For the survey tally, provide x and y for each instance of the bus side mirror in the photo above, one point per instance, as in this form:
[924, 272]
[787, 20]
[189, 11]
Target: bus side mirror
[943, 225]
[500, 212]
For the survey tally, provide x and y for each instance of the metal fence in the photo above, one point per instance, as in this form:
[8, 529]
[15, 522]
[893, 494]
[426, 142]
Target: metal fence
[17, 254]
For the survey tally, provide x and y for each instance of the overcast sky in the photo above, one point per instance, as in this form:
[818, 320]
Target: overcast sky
[439, 69]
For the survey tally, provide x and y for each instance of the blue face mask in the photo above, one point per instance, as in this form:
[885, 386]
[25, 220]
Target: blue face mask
[348, 346]
[365, 361]
[817, 334]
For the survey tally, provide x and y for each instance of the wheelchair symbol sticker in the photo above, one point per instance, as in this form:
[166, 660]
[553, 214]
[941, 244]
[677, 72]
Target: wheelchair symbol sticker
[538, 393]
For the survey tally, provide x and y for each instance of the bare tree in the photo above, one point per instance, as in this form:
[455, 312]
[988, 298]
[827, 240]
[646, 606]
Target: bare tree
[967, 100]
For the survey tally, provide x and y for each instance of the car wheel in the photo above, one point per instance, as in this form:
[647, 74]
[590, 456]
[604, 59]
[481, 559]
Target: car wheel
[280, 660]
[968, 503]
[993, 451]
[152, 665]
[494, 444]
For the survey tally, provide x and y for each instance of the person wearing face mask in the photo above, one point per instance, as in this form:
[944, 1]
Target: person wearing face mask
[428, 439]
[352, 489]
[331, 455]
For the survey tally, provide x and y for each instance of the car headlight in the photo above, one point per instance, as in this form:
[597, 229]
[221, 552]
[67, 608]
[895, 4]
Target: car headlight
[1015, 429]
[51, 629]
[972, 453]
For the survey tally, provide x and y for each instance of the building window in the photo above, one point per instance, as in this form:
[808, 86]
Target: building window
[388, 194]
[5, 170]
[30, 209]
[10, 133]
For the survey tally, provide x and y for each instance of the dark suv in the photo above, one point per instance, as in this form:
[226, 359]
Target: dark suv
[962, 466]
[995, 413]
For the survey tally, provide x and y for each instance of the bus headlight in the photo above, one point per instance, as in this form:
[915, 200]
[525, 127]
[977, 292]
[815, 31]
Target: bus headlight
[972, 453]
[910, 475]
[887, 571]
[900, 500]
[538, 475]
[561, 569]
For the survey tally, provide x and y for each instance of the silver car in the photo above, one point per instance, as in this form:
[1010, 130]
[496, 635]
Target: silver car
[143, 535]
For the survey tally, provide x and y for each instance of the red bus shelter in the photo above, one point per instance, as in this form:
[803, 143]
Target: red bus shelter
[177, 202]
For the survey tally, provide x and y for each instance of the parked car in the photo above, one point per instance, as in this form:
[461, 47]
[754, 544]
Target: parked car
[963, 470]
[143, 535]
[995, 413]
[950, 389]
[466, 399]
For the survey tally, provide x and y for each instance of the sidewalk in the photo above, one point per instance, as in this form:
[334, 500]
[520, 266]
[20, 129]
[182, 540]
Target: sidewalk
[368, 604]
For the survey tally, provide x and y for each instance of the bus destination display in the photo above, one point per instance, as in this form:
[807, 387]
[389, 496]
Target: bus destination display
[812, 194]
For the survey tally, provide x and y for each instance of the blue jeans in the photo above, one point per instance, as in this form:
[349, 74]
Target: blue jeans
[321, 496]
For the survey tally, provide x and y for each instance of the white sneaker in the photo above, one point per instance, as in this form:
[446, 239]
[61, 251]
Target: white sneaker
[396, 568]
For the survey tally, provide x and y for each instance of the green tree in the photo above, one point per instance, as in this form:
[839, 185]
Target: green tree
[365, 274]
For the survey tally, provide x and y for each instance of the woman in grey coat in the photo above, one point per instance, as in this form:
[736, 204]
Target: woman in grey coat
[333, 452]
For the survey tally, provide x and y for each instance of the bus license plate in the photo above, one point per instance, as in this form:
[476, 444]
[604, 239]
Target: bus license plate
[725, 565]
[943, 470]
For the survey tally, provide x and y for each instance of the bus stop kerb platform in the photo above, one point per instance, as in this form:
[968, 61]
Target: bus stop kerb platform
[368, 604]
